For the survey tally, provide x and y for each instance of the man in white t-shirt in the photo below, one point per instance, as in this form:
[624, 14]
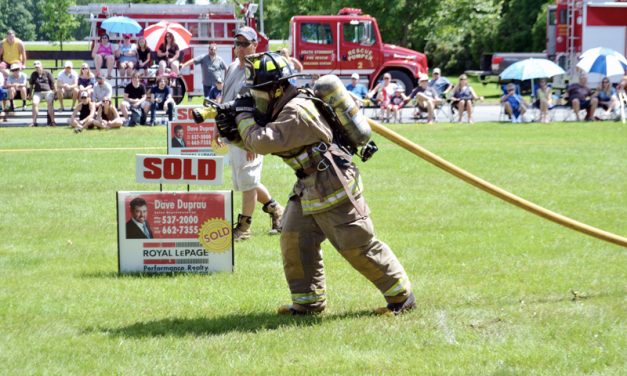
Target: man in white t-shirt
[67, 85]
[16, 85]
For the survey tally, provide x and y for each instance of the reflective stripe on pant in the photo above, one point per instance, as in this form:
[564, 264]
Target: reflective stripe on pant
[353, 237]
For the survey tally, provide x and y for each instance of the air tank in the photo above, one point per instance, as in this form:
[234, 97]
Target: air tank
[355, 126]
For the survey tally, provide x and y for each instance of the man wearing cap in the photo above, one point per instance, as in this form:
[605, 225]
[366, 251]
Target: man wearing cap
[101, 90]
[67, 85]
[212, 67]
[16, 85]
[246, 171]
[427, 98]
[42, 86]
[357, 90]
[12, 51]
[441, 84]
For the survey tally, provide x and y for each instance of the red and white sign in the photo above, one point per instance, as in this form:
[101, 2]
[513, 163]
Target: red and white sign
[165, 232]
[185, 137]
[176, 169]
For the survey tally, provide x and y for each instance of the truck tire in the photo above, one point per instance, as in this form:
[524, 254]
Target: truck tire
[403, 80]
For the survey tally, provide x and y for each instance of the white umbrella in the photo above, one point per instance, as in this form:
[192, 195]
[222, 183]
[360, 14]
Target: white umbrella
[530, 69]
[603, 61]
[155, 34]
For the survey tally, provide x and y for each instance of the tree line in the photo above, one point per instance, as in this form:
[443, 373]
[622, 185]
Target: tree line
[453, 33]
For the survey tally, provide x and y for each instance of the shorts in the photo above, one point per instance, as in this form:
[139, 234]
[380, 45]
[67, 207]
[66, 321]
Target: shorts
[246, 175]
[583, 104]
[3, 94]
[68, 94]
[47, 95]
[141, 105]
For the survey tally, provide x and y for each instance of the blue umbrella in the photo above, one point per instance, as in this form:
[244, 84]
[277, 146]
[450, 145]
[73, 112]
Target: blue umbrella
[603, 61]
[121, 24]
[530, 69]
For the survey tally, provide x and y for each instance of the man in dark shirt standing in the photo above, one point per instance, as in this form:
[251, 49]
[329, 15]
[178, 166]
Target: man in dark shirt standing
[42, 84]
[134, 98]
[579, 97]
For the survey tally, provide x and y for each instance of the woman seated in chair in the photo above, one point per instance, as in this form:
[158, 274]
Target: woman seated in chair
[608, 98]
[382, 94]
[103, 52]
[463, 97]
[144, 56]
[544, 99]
[168, 55]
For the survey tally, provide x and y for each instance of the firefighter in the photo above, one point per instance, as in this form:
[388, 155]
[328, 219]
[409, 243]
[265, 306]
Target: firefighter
[326, 201]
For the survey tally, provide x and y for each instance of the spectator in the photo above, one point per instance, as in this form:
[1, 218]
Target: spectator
[382, 93]
[463, 97]
[295, 65]
[160, 98]
[86, 80]
[4, 95]
[168, 55]
[67, 85]
[134, 100]
[12, 51]
[101, 91]
[607, 97]
[579, 97]
[356, 90]
[42, 85]
[427, 98]
[16, 85]
[543, 101]
[215, 93]
[144, 55]
[127, 58]
[441, 84]
[83, 114]
[212, 68]
[397, 101]
[514, 104]
[107, 116]
[103, 52]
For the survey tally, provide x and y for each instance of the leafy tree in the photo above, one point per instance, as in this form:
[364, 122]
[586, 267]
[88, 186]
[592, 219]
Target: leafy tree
[517, 20]
[59, 24]
[16, 16]
[461, 31]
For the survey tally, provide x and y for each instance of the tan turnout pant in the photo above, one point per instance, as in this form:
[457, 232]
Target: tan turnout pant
[353, 237]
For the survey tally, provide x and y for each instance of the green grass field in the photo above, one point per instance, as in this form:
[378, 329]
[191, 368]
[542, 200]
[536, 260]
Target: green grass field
[500, 291]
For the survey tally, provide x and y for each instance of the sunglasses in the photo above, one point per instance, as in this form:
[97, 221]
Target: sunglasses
[83, 68]
[242, 44]
[386, 78]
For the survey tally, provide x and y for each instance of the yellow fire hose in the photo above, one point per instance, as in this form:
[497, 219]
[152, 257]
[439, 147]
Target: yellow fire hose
[494, 190]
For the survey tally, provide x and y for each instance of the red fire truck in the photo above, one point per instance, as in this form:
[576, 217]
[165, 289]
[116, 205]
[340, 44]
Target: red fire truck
[574, 26]
[349, 43]
[212, 23]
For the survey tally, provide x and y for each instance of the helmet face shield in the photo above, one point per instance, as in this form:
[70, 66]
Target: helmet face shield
[262, 100]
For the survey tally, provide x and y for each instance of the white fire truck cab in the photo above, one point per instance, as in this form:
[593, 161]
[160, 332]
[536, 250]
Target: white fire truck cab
[211, 23]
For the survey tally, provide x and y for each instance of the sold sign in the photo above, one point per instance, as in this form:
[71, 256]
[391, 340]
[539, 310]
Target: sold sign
[179, 169]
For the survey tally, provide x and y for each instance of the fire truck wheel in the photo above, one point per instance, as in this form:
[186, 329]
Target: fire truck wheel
[403, 80]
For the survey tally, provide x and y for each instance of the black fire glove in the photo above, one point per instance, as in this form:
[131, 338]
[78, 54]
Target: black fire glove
[244, 103]
[227, 128]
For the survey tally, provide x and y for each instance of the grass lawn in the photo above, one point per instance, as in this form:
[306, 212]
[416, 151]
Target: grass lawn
[499, 291]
